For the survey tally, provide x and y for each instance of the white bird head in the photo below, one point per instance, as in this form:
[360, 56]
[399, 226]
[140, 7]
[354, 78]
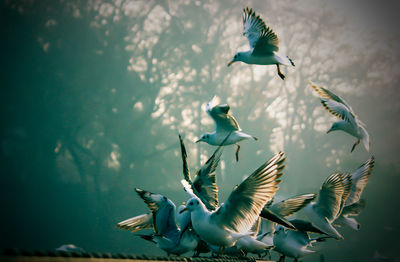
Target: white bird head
[237, 57]
[279, 230]
[192, 204]
[205, 138]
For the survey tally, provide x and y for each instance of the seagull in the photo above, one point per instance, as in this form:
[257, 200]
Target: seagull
[331, 199]
[233, 219]
[263, 44]
[225, 124]
[353, 205]
[253, 243]
[167, 235]
[292, 243]
[276, 213]
[349, 122]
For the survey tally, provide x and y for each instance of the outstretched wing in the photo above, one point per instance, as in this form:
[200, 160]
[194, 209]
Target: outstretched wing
[205, 181]
[354, 209]
[292, 205]
[163, 211]
[306, 226]
[330, 196]
[360, 179]
[325, 93]
[339, 110]
[246, 201]
[204, 185]
[219, 113]
[262, 39]
[270, 215]
[144, 221]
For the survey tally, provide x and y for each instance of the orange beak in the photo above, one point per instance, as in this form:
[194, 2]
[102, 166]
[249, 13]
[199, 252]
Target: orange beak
[231, 62]
[183, 210]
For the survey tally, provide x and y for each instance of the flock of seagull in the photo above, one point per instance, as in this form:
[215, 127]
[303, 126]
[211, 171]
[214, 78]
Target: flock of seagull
[249, 221]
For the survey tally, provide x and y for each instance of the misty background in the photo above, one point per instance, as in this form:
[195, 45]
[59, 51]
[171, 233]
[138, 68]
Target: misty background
[94, 94]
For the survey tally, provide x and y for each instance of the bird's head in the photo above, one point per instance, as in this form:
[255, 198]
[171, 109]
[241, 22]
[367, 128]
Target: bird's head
[237, 57]
[335, 126]
[204, 138]
[279, 229]
[191, 205]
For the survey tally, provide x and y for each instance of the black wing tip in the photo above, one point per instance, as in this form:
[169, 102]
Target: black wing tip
[141, 192]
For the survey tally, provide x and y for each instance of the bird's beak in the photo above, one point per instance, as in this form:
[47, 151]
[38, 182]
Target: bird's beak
[328, 131]
[231, 62]
[198, 141]
[183, 210]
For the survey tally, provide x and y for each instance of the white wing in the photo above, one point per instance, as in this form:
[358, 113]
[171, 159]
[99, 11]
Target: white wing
[246, 201]
[292, 205]
[137, 223]
[339, 110]
[163, 210]
[325, 93]
[261, 38]
[331, 195]
[360, 179]
[219, 113]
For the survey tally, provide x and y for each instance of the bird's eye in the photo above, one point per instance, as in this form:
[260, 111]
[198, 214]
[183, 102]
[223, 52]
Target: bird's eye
[191, 204]
[235, 56]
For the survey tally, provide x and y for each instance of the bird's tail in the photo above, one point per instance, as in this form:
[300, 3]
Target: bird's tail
[352, 222]
[291, 61]
[147, 237]
[365, 138]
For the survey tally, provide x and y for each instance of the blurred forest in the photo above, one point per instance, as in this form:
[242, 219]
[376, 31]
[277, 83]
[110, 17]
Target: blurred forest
[94, 94]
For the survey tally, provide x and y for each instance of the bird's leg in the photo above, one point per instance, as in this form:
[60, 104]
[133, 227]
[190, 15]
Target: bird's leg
[237, 152]
[282, 258]
[268, 254]
[355, 144]
[280, 73]
[219, 251]
[242, 252]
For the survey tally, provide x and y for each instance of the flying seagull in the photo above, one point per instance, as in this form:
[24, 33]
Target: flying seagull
[225, 124]
[349, 122]
[354, 205]
[233, 219]
[263, 44]
[330, 202]
[276, 213]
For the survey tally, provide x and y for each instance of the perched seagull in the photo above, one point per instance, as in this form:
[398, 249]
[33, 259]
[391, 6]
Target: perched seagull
[233, 219]
[263, 44]
[253, 243]
[205, 188]
[168, 236]
[292, 243]
[225, 124]
[353, 204]
[349, 122]
[331, 199]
